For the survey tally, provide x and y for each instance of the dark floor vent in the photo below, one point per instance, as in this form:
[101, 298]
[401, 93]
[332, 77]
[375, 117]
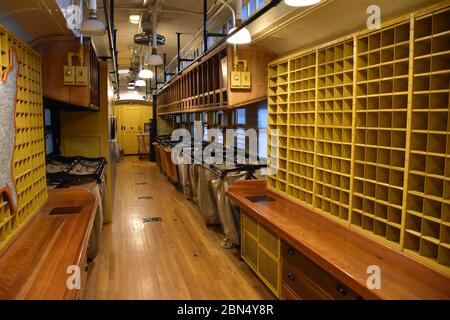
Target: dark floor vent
[140, 183]
[155, 219]
[145, 198]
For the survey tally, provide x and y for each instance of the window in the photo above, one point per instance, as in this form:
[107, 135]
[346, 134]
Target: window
[262, 134]
[244, 12]
[260, 3]
[240, 138]
[240, 116]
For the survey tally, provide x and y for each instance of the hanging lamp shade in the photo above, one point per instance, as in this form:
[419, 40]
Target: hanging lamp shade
[140, 83]
[154, 59]
[243, 36]
[92, 26]
[301, 3]
[146, 74]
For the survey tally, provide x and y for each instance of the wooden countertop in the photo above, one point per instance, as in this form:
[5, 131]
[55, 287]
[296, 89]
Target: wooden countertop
[33, 265]
[341, 251]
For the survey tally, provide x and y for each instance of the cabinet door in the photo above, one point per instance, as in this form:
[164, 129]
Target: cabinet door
[131, 125]
[249, 249]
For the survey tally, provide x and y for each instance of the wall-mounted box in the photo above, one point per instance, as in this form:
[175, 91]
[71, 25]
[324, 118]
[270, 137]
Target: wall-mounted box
[81, 78]
[69, 75]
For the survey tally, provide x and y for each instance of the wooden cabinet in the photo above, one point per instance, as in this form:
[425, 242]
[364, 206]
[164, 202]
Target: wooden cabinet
[54, 58]
[309, 281]
[321, 259]
[260, 248]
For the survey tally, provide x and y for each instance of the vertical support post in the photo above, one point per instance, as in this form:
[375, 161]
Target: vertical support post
[179, 50]
[205, 26]
[165, 65]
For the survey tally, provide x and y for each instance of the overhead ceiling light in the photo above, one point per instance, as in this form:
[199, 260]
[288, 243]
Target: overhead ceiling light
[301, 3]
[154, 59]
[140, 83]
[131, 88]
[146, 74]
[243, 36]
[134, 18]
[92, 26]
[124, 71]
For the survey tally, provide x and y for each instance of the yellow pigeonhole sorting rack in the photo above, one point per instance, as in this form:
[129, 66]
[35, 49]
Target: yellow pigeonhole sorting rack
[359, 131]
[29, 151]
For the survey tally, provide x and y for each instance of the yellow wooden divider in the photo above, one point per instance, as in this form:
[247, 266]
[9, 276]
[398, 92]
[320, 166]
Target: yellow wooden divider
[29, 152]
[364, 132]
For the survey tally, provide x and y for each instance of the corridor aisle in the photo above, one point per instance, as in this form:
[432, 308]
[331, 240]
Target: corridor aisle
[176, 258]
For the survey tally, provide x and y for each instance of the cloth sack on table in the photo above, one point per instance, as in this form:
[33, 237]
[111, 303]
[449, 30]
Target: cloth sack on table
[193, 174]
[206, 198]
[228, 213]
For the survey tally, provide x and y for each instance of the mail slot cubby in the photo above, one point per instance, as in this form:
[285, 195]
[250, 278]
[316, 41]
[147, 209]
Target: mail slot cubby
[378, 121]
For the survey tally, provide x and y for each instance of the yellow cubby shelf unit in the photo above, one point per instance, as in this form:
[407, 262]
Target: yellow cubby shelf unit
[29, 151]
[363, 127]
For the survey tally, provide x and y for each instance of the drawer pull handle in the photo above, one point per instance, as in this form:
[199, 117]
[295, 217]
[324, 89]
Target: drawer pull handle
[291, 276]
[290, 251]
[341, 289]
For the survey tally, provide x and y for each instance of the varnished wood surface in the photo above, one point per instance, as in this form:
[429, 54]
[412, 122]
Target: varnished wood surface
[34, 264]
[178, 258]
[342, 252]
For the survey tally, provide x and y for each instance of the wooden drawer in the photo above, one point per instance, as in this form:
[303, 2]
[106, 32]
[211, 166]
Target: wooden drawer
[287, 293]
[301, 285]
[328, 284]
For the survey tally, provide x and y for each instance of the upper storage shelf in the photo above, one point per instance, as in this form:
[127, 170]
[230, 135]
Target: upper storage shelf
[207, 86]
[54, 57]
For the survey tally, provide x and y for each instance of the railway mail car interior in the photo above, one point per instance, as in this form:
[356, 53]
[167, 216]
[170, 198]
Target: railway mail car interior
[225, 150]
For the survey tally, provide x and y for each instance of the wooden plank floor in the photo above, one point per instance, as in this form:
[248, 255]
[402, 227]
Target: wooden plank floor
[178, 258]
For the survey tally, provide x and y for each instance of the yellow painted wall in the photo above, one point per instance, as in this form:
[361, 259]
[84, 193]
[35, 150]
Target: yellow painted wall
[87, 134]
[29, 151]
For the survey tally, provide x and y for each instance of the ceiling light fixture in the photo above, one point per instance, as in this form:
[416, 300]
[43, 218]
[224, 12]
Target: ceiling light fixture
[124, 71]
[154, 59]
[92, 26]
[243, 36]
[146, 74]
[140, 83]
[301, 3]
[134, 18]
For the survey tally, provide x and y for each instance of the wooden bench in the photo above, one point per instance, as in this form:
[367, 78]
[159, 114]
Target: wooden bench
[322, 259]
[34, 263]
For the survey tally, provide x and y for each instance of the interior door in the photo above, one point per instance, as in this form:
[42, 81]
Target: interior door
[131, 126]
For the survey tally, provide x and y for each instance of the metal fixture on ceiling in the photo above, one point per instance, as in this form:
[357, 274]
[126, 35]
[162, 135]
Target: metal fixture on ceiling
[112, 40]
[145, 39]
[154, 59]
[92, 26]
